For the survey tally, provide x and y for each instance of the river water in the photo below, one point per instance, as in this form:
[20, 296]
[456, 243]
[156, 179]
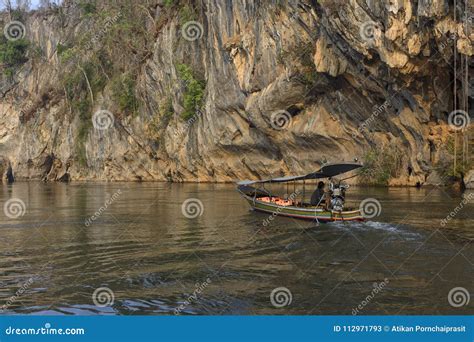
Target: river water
[152, 259]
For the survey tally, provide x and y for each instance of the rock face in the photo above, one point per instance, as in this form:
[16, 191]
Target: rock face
[289, 85]
[469, 180]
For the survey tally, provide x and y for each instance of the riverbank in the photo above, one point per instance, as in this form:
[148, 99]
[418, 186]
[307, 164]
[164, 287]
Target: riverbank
[459, 185]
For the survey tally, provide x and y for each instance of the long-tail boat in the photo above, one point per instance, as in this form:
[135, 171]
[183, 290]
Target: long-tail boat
[330, 207]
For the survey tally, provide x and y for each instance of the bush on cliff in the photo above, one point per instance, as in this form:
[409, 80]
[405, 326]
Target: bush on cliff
[193, 91]
[12, 54]
[381, 164]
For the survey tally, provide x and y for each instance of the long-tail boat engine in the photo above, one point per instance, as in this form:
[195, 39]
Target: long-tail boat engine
[338, 195]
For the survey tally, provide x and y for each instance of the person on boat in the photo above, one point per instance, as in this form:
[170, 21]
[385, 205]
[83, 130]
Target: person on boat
[318, 195]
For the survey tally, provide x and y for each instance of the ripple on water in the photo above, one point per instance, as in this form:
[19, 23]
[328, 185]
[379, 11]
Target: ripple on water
[151, 256]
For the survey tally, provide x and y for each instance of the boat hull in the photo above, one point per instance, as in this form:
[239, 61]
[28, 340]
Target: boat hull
[316, 214]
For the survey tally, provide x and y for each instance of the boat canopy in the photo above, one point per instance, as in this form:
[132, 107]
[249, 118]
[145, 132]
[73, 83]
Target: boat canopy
[329, 170]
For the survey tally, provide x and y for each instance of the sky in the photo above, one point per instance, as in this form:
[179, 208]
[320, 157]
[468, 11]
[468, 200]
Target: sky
[34, 3]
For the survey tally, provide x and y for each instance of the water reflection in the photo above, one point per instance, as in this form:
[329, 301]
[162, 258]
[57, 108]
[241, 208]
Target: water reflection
[151, 256]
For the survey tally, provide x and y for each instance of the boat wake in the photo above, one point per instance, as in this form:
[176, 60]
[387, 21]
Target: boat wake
[378, 226]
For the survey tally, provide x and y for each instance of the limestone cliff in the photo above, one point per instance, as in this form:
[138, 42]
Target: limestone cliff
[219, 90]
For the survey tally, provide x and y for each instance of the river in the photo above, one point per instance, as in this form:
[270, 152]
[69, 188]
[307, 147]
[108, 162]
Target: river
[148, 257]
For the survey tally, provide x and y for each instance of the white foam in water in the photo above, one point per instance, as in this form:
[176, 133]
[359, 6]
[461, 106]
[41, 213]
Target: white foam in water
[374, 225]
[382, 225]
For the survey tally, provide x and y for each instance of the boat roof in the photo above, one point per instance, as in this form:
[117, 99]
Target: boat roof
[329, 170]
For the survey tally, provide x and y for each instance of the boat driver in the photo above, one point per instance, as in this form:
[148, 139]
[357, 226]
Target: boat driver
[318, 195]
